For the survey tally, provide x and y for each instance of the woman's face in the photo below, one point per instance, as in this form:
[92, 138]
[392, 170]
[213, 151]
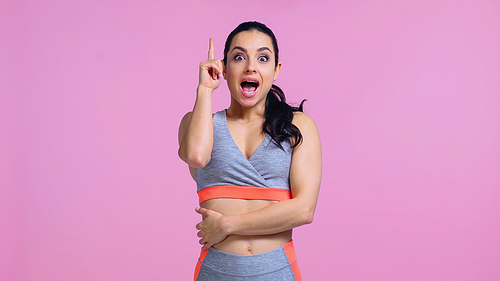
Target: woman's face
[250, 69]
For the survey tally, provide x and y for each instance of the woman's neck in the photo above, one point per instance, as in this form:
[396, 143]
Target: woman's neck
[236, 111]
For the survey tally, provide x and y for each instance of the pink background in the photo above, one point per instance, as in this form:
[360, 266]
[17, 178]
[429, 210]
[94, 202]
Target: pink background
[406, 95]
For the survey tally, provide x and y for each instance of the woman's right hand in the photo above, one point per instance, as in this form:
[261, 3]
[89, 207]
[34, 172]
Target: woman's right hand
[210, 70]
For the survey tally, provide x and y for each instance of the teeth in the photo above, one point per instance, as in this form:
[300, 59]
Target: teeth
[250, 82]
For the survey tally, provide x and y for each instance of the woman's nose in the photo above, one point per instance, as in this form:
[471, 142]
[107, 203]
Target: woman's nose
[250, 68]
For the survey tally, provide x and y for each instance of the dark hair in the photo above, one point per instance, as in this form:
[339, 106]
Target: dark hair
[278, 114]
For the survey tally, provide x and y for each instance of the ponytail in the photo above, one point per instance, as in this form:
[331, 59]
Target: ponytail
[279, 116]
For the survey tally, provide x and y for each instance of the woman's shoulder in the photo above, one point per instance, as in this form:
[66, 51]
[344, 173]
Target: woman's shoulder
[186, 117]
[302, 120]
[185, 123]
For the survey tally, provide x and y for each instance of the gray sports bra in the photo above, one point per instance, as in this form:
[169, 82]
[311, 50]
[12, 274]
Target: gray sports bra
[229, 174]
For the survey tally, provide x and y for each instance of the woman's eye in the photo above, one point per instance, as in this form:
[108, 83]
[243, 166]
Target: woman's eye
[264, 58]
[238, 57]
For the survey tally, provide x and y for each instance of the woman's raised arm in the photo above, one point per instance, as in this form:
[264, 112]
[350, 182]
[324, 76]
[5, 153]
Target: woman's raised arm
[196, 128]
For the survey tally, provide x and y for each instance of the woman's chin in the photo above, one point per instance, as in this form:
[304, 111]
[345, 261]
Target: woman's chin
[247, 102]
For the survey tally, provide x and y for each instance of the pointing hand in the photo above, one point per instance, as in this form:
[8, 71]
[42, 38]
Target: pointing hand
[211, 70]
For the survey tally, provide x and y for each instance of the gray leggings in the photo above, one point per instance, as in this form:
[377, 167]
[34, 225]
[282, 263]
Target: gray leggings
[277, 265]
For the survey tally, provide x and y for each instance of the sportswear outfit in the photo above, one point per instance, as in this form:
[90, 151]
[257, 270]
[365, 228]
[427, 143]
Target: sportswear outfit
[264, 176]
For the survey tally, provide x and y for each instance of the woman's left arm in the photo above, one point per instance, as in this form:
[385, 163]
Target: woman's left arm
[305, 179]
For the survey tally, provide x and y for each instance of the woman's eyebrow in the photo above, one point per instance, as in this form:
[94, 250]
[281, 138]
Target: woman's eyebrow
[264, 48]
[239, 48]
[245, 50]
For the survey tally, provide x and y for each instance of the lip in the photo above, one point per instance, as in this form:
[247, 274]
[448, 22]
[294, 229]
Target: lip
[253, 93]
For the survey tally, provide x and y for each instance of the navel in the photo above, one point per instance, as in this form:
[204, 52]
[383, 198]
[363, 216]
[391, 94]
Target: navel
[249, 251]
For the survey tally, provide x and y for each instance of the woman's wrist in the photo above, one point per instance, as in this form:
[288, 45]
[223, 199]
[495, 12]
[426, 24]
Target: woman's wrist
[229, 224]
[201, 90]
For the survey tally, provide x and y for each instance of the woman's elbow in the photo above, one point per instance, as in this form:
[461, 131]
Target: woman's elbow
[198, 162]
[194, 159]
[307, 216]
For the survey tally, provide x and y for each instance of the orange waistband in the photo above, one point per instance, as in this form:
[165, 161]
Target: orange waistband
[244, 192]
[289, 252]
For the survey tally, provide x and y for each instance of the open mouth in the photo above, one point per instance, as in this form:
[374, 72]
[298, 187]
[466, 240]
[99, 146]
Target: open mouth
[249, 86]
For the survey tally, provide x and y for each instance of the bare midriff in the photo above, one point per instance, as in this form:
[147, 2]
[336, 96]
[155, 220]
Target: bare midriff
[246, 245]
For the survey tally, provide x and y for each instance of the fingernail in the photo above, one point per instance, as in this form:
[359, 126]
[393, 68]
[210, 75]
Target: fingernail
[197, 208]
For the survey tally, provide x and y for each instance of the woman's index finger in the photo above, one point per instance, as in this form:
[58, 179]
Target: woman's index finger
[211, 51]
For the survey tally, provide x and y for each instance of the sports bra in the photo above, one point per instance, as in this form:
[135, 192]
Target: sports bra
[229, 174]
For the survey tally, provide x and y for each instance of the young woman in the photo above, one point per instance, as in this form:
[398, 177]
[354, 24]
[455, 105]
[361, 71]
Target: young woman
[257, 164]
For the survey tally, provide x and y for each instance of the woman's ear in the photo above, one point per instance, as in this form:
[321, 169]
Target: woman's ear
[277, 71]
[224, 71]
